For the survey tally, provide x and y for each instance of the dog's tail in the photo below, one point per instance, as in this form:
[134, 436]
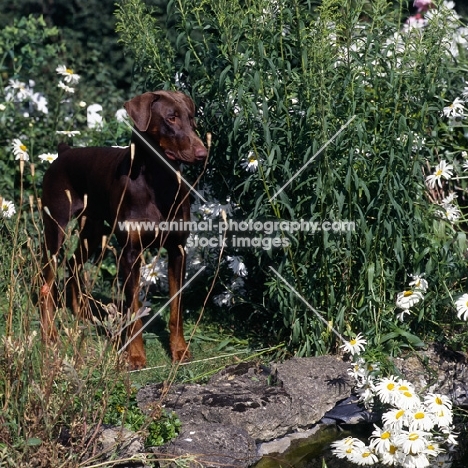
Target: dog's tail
[62, 147]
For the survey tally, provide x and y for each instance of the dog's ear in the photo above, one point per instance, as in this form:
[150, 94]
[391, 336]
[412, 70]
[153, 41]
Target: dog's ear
[139, 110]
[189, 102]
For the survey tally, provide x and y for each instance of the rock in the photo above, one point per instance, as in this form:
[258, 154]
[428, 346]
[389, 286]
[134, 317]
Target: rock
[118, 443]
[267, 403]
[283, 444]
[438, 370]
[350, 411]
[211, 446]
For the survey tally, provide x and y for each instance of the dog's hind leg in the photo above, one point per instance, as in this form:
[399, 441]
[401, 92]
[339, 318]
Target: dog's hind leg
[91, 232]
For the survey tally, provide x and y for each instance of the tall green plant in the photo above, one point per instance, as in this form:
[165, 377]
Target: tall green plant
[277, 80]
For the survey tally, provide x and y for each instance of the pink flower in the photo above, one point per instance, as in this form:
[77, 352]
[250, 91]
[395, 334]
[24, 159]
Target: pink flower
[422, 5]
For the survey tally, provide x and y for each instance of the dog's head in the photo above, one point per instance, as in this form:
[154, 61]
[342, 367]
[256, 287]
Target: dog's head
[169, 118]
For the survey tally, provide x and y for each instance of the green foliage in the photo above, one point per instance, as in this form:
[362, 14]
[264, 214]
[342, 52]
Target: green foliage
[277, 80]
[122, 411]
[37, 108]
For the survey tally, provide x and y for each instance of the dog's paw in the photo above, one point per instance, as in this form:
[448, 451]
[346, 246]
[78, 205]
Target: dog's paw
[136, 361]
[181, 355]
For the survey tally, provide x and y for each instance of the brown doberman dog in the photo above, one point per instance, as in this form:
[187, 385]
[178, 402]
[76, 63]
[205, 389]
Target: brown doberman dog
[124, 186]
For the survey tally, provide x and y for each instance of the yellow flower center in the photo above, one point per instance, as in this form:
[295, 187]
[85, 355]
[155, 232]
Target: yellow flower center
[392, 450]
[438, 399]
[366, 454]
[23, 148]
[352, 342]
[399, 414]
[69, 71]
[408, 394]
[419, 415]
[439, 173]
[403, 388]
[390, 386]
[385, 435]
[413, 436]
[407, 293]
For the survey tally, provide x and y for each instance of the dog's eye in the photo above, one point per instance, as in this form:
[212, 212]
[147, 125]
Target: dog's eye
[171, 119]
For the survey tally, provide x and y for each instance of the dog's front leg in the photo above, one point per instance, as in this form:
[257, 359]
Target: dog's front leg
[48, 301]
[130, 270]
[176, 273]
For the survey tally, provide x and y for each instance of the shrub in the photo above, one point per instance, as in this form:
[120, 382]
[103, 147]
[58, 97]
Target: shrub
[277, 81]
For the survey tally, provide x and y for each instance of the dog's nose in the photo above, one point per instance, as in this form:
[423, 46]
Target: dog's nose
[200, 152]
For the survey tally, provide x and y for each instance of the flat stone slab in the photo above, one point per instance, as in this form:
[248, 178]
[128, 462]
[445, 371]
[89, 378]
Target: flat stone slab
[210, 445]
[266, 402]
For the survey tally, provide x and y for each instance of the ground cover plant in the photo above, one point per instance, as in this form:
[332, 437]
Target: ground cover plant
[382, 93]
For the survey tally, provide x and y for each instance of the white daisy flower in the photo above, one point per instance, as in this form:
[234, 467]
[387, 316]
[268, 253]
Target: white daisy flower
[462, 307]
[449, 199]
[223, 299]
[394, 418]
[419, 283]
[66, 88]
[392, 456]
[363, 456]
[345, 447]
[237, 266]
[93, 116]
[433, 449]
[154, 272]
[456, 109]
[412, 442]
[450, 213]
[7, 208]
[420, 419]
[48, 157]
[406, 396]
[442, 170]
[386, 389]
[381, 440]
[419, 460]
[17, 90]
[354, 346]
[20, 150]
[443, 417]
[121, 115]
[436, 401]
[251, 163]
[358, 370]
[407, 299]
[40, 101]
[68, 74]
